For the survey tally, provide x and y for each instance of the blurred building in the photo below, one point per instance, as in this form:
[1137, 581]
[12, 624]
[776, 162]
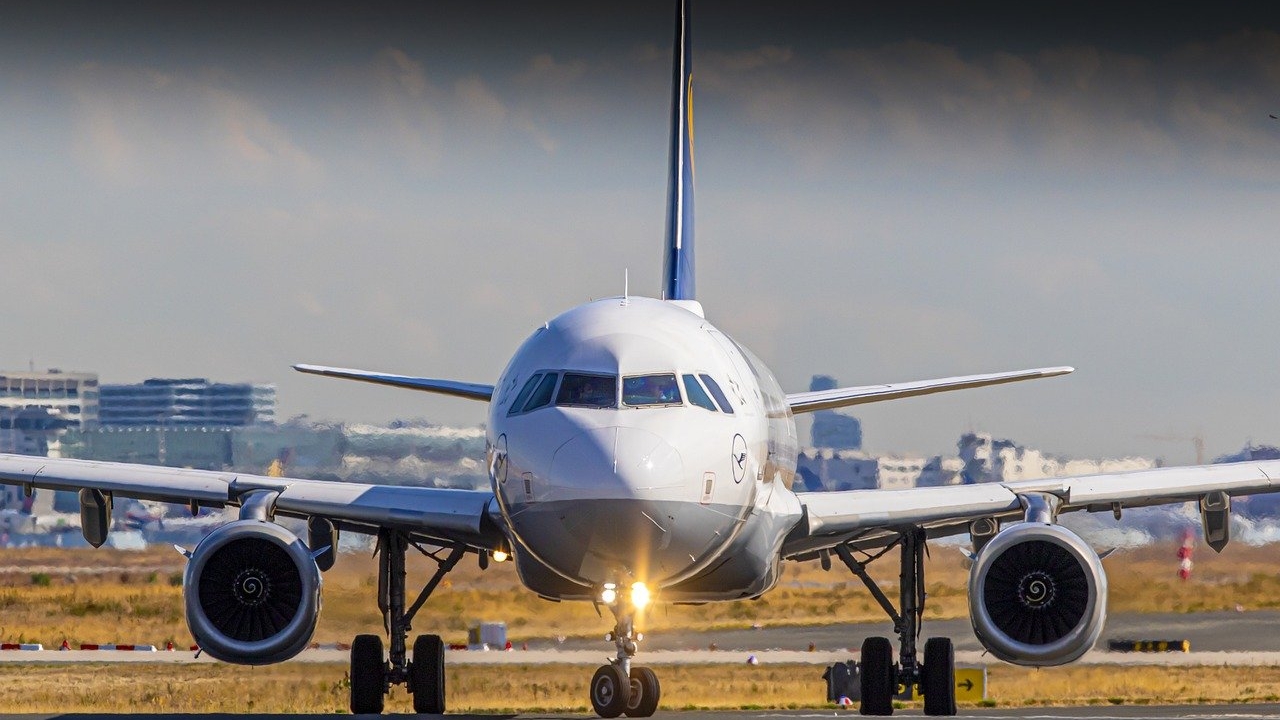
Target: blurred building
[204, 448]
[988, 459]
[186, 402]
[27, 431]
[70, 396]
[831, 429]
[828, 469]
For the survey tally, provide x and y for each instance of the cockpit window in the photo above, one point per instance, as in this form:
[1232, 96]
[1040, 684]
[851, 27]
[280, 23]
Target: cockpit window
[642, 390]
[525, 392]
[717, 393]
[696, 394]
[542, 396]
[595, 391]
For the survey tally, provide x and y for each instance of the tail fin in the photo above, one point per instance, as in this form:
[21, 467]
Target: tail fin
[677, 273]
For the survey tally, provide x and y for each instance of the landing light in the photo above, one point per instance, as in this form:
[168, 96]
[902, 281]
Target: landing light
[609, 595]
[639, 595]
[499, 556]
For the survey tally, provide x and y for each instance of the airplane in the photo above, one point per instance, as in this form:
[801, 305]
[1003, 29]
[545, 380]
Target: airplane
[637, 454]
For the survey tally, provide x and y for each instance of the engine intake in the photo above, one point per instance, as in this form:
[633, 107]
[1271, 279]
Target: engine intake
[1037, 595]
[252, 593]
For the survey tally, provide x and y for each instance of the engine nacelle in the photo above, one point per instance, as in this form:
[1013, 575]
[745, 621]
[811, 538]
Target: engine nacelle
[1037, 595]
[252, 593]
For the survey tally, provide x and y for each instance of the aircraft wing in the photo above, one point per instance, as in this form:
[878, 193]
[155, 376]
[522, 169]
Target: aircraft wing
[869, 516]
[470, 391]
[438, 513]
[840, 397]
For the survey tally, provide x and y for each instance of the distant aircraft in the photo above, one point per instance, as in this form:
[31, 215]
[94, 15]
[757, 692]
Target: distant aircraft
[638, 454]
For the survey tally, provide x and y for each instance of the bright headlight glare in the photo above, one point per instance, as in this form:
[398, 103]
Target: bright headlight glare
[499, 556]
[639, 595]
[609, 594]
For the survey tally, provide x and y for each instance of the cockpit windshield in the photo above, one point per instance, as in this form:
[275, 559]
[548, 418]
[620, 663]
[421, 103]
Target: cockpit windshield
[644, 390]
[595, 391]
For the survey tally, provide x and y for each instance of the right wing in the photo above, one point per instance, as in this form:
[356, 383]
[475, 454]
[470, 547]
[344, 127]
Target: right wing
[868, 516]
[433, 513]
[470, 391]
[840, 397]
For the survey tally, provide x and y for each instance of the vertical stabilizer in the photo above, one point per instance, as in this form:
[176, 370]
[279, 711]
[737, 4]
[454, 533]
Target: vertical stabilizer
[677, 271]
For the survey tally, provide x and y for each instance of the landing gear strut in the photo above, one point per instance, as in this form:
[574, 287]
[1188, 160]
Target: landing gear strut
[372, 673]
[620, 688]
[881, 678]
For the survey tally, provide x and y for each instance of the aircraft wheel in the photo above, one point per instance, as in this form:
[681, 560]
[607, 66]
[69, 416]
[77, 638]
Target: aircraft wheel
[645, 693]
[610, 688]
[877, 677]
[938, 683]
[368, 675]
[426, 675]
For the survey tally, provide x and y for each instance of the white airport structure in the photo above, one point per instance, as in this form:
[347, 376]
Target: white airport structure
[71, 396]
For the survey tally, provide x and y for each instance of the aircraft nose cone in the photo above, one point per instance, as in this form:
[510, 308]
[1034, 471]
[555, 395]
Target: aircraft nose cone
[618, 459]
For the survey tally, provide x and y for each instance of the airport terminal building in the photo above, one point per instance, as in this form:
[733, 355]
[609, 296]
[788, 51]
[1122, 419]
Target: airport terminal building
[69, 396]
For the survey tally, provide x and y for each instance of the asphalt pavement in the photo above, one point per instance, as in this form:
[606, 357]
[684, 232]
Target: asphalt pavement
[1097, 712]
[1207, 631]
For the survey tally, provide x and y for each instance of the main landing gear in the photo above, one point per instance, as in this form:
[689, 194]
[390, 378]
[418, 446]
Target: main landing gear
[620, 688]
[881, 678]
[372, 673]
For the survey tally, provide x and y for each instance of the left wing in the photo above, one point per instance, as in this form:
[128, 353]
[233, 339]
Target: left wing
[840, 397]
[868, 516]
[470, 391]
[438, 513]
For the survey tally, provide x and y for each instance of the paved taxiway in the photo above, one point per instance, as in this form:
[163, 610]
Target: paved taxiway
[1207, 631]
[1110, 712]
[1217, 638]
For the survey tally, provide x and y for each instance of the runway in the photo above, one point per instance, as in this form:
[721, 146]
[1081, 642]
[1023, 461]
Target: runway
[1110, 712]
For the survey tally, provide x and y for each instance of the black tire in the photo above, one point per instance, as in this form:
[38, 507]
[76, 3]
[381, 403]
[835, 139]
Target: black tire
[610, 688]
[368, 675]
[938, 683]
[877, 677]
[426, 675]
[645, 692]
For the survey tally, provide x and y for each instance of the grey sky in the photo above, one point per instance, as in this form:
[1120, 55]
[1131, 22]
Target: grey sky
[936, 190]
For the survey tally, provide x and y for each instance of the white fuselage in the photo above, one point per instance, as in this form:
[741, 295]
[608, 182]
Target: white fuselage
[631, 441]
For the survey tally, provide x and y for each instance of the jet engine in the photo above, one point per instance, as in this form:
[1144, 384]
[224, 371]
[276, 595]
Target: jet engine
[252, 593]
[1037, 595]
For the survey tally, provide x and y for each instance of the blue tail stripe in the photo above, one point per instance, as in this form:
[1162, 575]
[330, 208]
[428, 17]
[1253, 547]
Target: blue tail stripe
[678, 269]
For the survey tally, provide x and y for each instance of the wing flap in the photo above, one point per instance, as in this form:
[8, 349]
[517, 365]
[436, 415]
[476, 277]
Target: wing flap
[841, 397]
[470, 391]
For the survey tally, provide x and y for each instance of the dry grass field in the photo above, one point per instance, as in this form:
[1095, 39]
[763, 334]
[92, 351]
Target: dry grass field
[99, 596]
[297, 687]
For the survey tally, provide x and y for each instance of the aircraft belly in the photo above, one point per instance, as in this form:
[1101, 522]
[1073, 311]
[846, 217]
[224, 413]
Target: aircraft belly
[624, 540]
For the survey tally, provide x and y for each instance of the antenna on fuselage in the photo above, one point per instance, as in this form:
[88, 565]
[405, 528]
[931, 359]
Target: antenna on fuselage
[626, 285]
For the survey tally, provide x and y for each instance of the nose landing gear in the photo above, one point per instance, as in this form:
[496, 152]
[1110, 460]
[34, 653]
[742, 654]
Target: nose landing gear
[620, 688]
